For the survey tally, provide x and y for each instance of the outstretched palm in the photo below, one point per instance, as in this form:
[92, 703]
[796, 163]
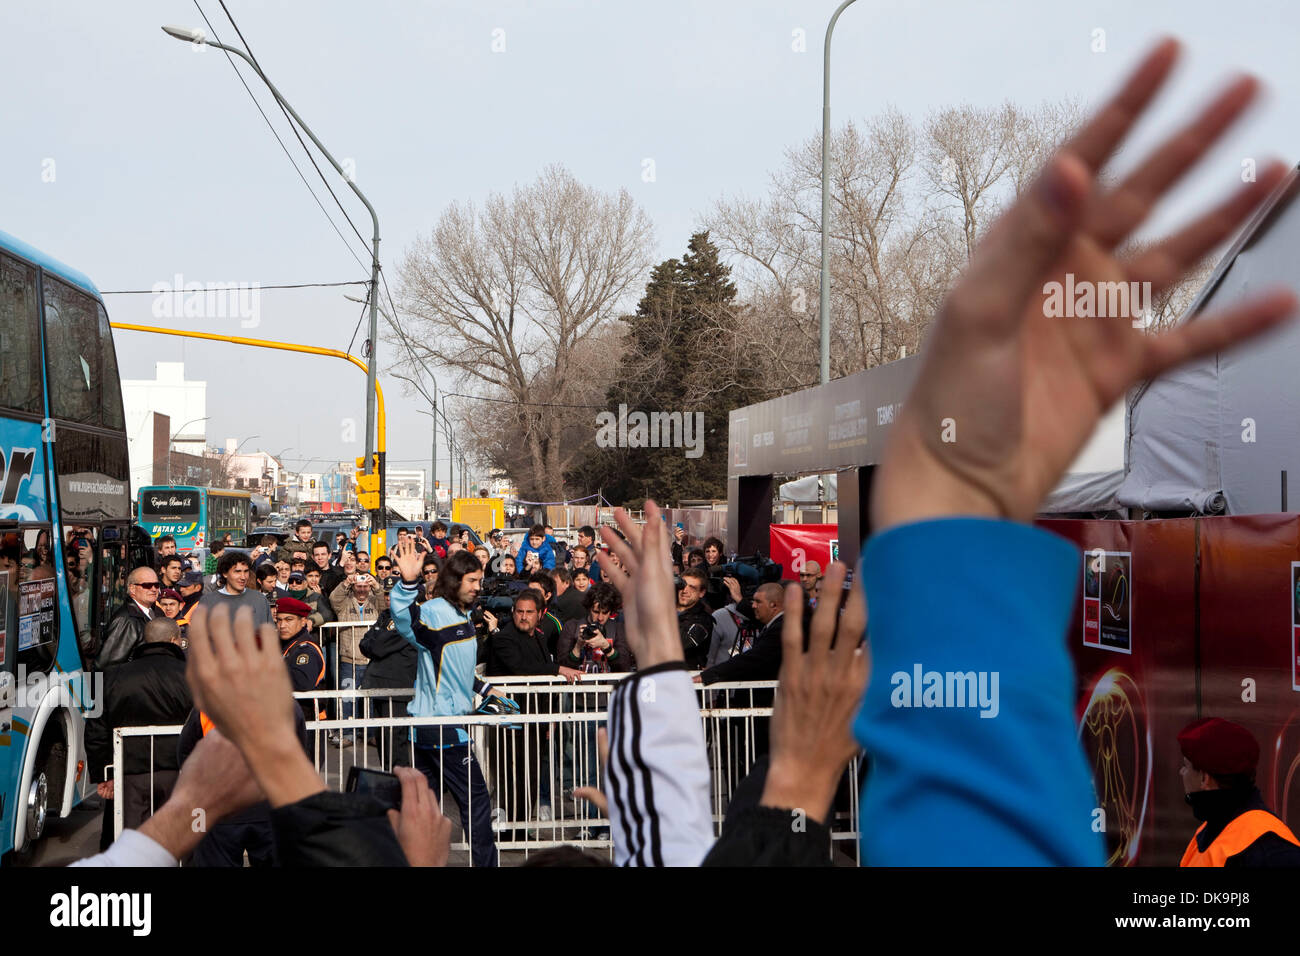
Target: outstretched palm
[408, 561]
[1011, 390]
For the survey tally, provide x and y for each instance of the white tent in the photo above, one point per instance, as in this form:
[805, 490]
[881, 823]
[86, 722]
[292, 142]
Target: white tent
[1096, 474]
[1089, 486]
[1217, 435]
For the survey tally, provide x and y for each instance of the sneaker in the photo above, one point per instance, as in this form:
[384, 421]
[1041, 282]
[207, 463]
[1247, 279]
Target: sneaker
[498, 817]
[338, 740]
[544, 813]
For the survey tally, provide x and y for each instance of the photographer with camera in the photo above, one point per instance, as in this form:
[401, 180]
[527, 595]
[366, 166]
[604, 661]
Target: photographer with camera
[596, 644]
[735, 628]
[694, 619]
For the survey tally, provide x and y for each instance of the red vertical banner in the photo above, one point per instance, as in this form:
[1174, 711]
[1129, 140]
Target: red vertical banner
[1248, 643]
[793, 545]
[1132, 640]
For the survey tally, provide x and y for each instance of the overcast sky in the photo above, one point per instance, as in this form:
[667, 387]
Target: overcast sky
[162, 164]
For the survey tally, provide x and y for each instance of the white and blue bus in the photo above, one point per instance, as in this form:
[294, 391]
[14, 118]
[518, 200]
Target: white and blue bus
[65, 531]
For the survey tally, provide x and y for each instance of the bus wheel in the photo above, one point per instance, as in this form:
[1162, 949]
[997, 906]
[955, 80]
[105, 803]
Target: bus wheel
[46, 782]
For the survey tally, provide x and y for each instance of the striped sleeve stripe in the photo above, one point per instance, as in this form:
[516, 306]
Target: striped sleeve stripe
[647, 784]
[613, 779]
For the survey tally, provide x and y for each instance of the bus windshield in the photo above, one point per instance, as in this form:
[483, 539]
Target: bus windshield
[174, 511]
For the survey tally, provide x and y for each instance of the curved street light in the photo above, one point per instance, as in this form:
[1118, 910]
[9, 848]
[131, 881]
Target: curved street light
[825, 304]
[192, 421]
[198, 37]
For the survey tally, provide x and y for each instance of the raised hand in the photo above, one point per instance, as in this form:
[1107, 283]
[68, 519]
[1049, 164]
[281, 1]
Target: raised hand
[1010, 390]
[819, 692]
[238, 678]
[643, 574]
[408, 561]
[423, 832]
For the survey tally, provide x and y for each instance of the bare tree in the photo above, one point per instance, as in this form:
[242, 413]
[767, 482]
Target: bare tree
[508, 297]
[906, 208]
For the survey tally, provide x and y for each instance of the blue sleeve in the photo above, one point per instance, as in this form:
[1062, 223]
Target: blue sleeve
[547, 554]
[400, 603]
[1001, 780]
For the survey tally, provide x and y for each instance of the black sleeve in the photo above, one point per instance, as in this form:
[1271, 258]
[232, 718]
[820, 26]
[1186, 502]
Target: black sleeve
[760, 662]
[99, 740]
[623, 661]
[568, 640]
[119, 642]
[381, 642]
[335, 829]
[772, 836]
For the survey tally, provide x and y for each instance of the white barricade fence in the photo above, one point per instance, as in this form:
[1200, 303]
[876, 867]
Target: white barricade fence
[534, 760]
[339, 673]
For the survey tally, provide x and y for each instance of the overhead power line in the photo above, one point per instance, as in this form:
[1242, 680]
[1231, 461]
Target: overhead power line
[267, 119]
[293, 285]
[294, 127]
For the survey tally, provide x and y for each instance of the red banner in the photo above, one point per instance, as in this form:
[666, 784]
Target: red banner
[794, 544]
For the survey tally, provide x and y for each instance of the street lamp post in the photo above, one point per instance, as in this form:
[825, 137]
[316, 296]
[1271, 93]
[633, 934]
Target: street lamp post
[433, 401]
[196, 36]
[825, 302]
[192, 421]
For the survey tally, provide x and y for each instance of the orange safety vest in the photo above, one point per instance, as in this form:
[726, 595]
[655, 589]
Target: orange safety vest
[206, 722]
[1236, 836]
[320, 715]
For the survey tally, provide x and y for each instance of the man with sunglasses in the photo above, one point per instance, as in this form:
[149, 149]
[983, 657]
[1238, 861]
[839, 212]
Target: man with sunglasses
[383, 569]
[126, 629]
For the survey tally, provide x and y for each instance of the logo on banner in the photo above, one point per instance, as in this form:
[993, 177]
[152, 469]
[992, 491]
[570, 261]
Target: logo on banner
[1108, 600]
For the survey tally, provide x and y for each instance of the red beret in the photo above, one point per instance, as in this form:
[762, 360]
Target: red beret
[288, 605]
[1219, 746]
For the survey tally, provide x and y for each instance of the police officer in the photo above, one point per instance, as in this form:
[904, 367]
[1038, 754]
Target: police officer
[1218, 771]
[304, 656]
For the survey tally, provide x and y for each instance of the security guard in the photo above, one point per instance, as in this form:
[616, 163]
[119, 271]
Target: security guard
[304, 656]
[1218, 771]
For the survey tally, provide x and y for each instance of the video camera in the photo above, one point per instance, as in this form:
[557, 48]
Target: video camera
[750, 570]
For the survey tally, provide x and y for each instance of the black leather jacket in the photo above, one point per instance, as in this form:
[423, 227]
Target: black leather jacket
[125, 634]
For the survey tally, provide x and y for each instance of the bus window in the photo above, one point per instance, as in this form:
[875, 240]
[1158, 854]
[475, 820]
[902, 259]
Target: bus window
[71, 321]
[112, 582]
[11, 555]
[79, 561]
[20, 353]
[38, 619]
[112, 386]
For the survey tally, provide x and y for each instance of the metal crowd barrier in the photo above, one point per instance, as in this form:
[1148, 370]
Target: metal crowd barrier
[534, 760]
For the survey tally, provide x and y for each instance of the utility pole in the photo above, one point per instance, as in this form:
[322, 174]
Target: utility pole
[374, 459]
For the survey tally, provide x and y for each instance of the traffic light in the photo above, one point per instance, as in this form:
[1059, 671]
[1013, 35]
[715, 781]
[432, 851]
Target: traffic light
[368, 484]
